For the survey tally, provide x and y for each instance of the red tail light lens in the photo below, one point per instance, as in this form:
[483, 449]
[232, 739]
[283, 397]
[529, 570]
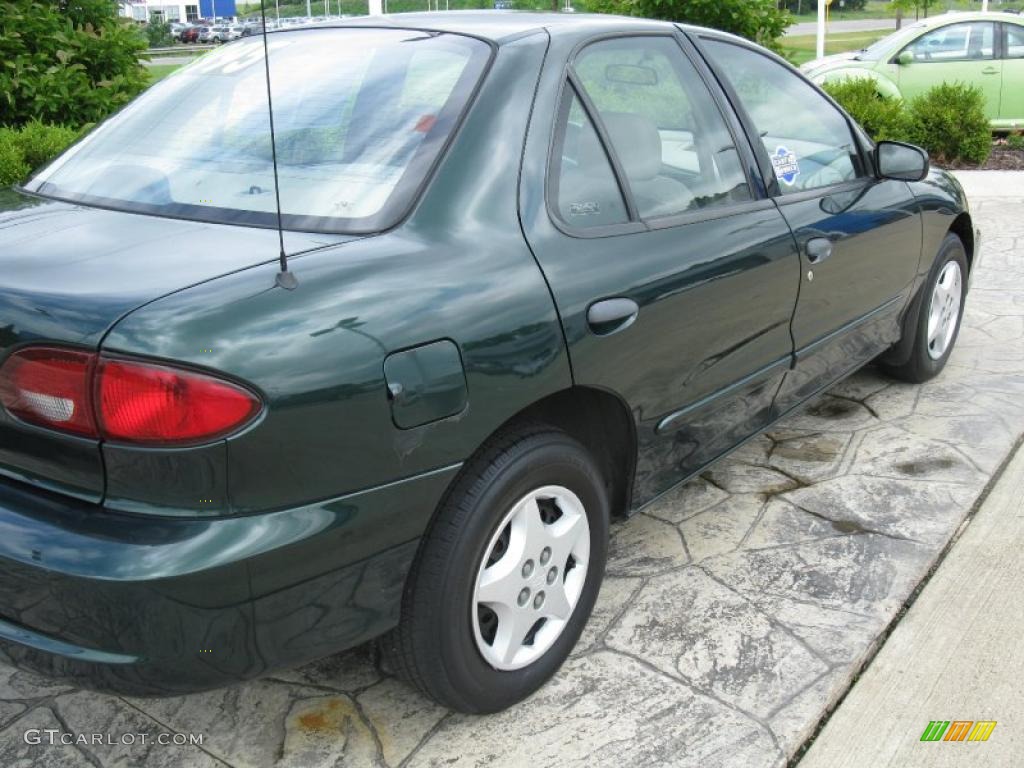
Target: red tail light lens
[121, 400]
[51, 388]
[144, 403]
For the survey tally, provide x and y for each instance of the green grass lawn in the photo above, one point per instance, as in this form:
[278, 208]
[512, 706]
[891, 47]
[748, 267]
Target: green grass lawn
[800, 48]
[160, 71]
[875, 9]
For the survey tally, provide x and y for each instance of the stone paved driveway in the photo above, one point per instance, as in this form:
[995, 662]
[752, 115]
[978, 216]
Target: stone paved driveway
[734, 613]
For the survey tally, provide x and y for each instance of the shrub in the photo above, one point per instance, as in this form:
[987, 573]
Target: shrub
[13, 167]
[158, 34]
[23, 150]
[881, 117]
[40, 143]
[949, 121]
[1015, 141]
[68, 62]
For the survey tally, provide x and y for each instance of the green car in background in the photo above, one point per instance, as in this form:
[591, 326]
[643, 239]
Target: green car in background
[981, 49]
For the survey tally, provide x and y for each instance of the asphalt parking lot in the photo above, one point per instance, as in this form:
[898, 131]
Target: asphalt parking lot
[735, 611]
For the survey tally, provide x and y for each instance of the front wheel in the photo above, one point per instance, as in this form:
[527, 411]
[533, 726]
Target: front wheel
[938, 321]
[507, 575]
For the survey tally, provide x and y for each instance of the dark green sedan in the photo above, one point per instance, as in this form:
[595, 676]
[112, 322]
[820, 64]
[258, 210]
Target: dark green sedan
[494, 279]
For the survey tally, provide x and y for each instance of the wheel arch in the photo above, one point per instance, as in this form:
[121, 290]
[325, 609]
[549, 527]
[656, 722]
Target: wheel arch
[885, 87]
[963, 228]
[600, 420]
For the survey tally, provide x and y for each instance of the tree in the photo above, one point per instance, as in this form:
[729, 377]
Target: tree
[66, 61]
[919, 7]
[759, 20]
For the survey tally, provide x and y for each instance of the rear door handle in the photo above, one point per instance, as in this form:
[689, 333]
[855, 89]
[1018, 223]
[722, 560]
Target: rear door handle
[818, 249]
[611, 315]
[990, 71]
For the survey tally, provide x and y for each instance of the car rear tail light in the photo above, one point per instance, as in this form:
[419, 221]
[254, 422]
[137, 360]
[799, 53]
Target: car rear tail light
[51, 388]
[121, 400]
[139, 402]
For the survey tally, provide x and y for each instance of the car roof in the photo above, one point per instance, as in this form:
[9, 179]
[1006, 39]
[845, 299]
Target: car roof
[501, 26]
[952, 17]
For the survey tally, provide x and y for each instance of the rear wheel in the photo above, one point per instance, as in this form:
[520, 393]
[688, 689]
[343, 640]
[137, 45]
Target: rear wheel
[507, 575]
[938, 321]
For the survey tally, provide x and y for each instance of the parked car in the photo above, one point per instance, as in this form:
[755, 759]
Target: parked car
[223, 34]
[190, 34]
[507, 304]
[206, 34]
[981, 49]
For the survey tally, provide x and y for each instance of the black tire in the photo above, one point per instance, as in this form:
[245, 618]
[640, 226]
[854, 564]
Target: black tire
[434, 647]
[920, 366]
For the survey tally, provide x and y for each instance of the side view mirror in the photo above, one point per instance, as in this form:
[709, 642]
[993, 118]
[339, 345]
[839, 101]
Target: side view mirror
[905, 58]
[902, 162]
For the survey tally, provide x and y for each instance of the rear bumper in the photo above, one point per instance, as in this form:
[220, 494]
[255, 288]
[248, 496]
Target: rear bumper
[156, 606]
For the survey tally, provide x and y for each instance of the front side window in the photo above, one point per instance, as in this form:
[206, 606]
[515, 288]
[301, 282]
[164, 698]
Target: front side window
[955, 42]
[360, 115]
[670, 139]
[808, 140]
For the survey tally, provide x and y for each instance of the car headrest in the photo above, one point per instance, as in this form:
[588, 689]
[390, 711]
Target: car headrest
[636, 141]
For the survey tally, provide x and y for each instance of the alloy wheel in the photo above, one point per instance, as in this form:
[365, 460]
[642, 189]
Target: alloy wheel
[944, 309]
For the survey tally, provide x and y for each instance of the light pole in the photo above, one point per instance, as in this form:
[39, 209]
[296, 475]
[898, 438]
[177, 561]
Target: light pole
[821, 29]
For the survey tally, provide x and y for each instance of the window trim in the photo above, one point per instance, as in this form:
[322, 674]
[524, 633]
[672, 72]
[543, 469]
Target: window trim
[570, 82]
[863, 145]
[996, 43]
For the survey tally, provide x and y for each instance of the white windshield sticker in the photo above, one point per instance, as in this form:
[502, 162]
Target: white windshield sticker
[787, 168]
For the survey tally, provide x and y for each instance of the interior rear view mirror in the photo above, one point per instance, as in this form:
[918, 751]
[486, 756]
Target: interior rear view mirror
[631, 74]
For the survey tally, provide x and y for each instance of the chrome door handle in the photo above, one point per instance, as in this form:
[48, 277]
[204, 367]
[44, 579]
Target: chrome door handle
[611, 315]
[818, 249]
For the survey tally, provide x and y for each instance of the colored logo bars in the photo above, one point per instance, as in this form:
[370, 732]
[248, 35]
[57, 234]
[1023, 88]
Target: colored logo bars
[958, 730]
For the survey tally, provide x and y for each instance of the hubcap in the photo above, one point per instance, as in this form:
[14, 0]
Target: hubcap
[944, 310]
[531, 577]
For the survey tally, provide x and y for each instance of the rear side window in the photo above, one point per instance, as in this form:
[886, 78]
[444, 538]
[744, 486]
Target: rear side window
[808, 140]
[1013, 47]
[588, 194]
[670, 138]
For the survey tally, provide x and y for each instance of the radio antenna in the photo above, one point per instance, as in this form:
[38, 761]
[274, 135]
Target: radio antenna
[285, 279]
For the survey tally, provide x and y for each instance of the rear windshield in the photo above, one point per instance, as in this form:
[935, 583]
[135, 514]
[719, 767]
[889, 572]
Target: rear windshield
[360, 116]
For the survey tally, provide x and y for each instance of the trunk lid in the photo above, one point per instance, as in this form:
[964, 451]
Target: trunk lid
[69, 272]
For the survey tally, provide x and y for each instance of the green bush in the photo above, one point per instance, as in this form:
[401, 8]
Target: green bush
[23, 150]
[1015, 141]
[40, 143]
[949, 121]
[158, 34]
[881, 117]
[68, 62]
[13, 167]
